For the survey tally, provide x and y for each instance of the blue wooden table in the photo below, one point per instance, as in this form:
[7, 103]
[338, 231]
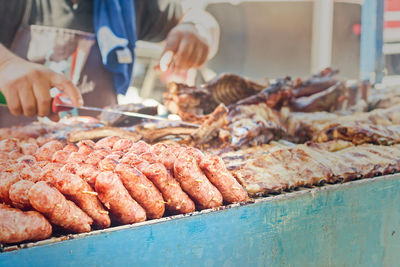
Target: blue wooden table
[353, 224]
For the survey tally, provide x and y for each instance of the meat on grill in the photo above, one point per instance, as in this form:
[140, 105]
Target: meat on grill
[116, 198]
[60, 211]
[273, 169]
[17, 226]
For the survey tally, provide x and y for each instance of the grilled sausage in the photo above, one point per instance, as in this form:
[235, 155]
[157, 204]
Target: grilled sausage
[28, 159]
[31, 172]
[76, 157]
[45, 152]
[123, 145]
[149, 157]
[117, 199]
[142, 190]
[168, 157]
[86, 147]
[8, 145]
[7, 179]
[177, 201]
[140, 147]
[135, 161]
[97, 155]
[107, 142]
[194, 152]
[107, 164]
[222, 179]
[88, 173]
[4, 157]
[80, 192]
[28, 148]
[17, 226]
[195, 183]
[50, 202]
[50, 172]
[15, 154]
[61, 156]
[71, 148]
[19, 194]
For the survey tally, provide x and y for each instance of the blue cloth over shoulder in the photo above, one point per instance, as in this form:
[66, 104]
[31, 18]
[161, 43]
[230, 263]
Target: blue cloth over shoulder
[115, 28]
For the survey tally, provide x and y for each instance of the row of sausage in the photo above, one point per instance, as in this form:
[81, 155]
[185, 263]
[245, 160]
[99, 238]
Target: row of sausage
[85, 186]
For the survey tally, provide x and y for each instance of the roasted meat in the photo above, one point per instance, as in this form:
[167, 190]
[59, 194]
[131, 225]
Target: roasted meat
[17, 226]
[273, 169]
[192, 102]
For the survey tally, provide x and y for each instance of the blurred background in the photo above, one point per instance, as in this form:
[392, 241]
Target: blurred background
[267, 39]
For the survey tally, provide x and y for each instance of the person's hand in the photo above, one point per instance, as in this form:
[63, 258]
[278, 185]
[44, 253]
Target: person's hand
[185, 48]
[26, 86]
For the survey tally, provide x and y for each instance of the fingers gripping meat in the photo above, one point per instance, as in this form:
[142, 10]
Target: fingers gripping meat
[19, 194]
[17, 226]
[117, 199]
[177, 201]
[195, 183]
[142, 190]
[45, 152]
[6, 181]
[80, 192]
[49, 201]
[222, 179]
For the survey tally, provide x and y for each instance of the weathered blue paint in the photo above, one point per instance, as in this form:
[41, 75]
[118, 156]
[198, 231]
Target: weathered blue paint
[354, 224]
[371, 53]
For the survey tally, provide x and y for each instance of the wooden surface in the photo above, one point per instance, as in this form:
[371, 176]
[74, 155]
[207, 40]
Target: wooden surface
[353, 224]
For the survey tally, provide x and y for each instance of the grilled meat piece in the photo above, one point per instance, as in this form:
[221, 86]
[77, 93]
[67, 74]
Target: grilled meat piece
[317, 83]
[19, 194]
[117, 199]
[60, 211]
[222, 179]
[195, 183]
[273, 169]
[253, 125]
[192, 102]
[177, 201]
[330, 99]
[17, 226]
[360, 133]
[142, 190]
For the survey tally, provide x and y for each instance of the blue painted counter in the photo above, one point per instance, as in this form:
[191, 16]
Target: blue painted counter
[353, 224]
